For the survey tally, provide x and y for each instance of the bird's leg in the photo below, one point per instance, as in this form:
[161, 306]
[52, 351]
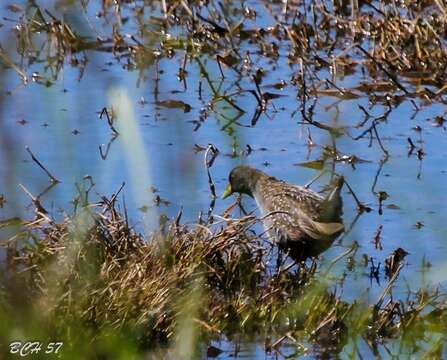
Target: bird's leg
[279, 259]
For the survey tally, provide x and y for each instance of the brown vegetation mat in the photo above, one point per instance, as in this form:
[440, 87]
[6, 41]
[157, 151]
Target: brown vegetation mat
[93, 273]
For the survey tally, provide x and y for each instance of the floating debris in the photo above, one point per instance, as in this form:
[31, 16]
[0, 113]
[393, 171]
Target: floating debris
[174, 104]
[393, 262]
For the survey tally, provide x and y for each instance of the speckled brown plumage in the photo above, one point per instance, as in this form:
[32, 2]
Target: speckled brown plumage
[300, 220]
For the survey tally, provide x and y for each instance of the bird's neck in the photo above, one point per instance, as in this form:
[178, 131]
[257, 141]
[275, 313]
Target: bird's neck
[255, 177]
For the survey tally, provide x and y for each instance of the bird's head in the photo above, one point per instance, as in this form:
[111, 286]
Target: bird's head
[242, 179]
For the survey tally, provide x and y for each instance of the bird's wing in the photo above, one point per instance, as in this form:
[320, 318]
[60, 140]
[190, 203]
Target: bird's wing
[291, 214]
[319, 230]
[323, 209]
[302, 200]
[301, 191]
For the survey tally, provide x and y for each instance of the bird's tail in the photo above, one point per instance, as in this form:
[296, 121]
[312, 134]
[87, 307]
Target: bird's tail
[335, 192]
[332, 209]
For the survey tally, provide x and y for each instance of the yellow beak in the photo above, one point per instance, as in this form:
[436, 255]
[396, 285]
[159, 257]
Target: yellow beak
[228, 191]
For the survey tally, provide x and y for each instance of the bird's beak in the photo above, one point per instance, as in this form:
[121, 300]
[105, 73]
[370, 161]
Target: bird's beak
[228, 191]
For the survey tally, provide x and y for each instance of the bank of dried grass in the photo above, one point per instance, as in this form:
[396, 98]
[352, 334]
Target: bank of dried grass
[92, 271]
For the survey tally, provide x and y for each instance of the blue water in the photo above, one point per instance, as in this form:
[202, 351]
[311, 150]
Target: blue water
[157, 150]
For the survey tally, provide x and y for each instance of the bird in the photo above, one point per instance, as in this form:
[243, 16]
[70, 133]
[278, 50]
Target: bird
[299, 220]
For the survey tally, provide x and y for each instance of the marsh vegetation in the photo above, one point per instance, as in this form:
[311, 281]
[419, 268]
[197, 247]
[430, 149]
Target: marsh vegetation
[121, 121]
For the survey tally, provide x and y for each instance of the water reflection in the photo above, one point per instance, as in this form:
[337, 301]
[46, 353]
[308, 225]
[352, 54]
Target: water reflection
[179, 105]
